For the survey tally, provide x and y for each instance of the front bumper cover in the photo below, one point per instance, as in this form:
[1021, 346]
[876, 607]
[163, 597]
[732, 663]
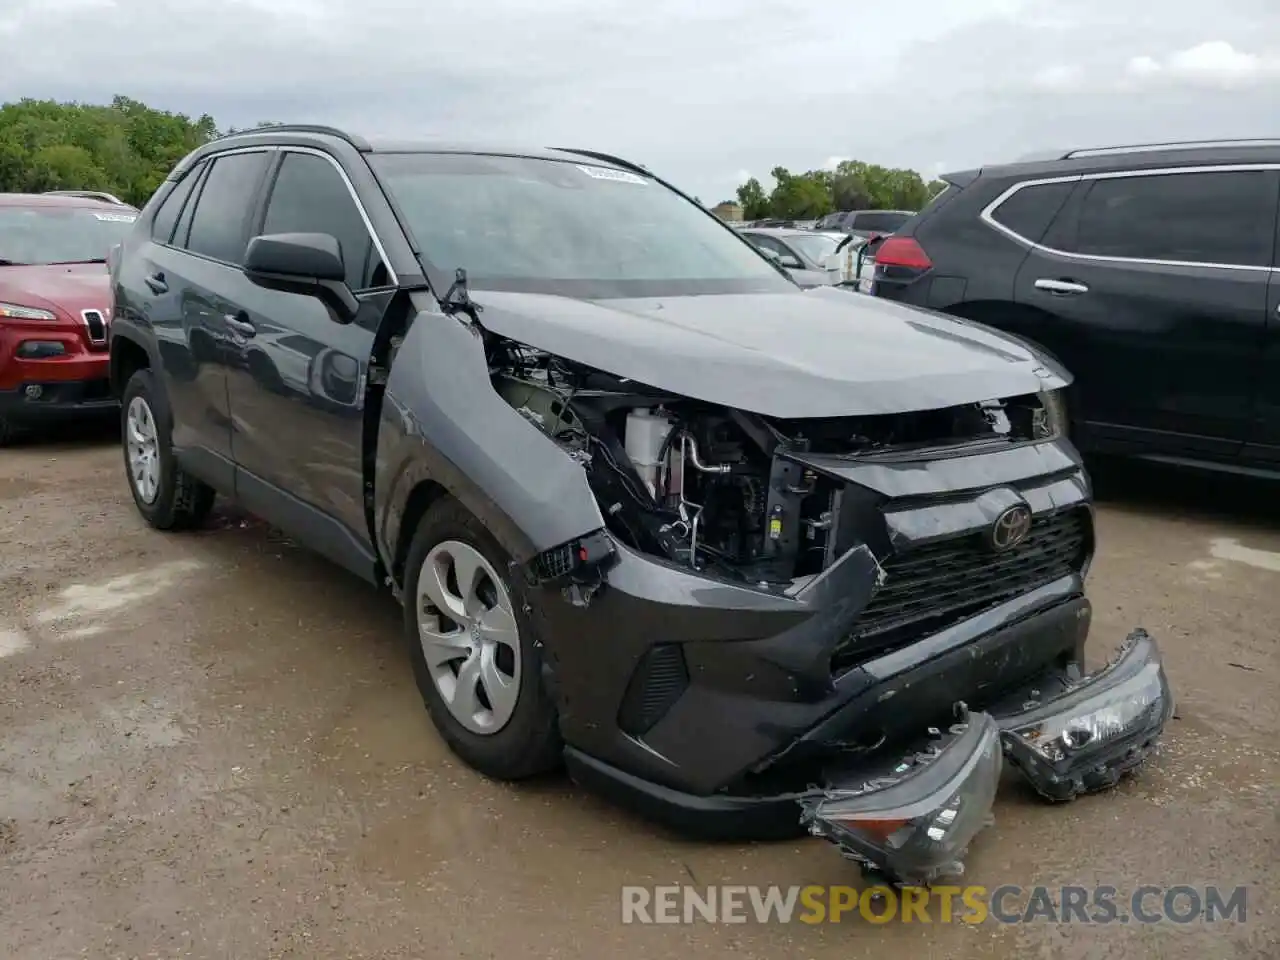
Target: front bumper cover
[913, 821]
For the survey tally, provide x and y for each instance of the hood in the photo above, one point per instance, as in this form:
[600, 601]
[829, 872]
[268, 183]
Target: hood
[816, 353]
[68, 288]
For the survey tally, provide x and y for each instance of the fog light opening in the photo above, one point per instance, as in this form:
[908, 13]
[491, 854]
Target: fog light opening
[33, 391]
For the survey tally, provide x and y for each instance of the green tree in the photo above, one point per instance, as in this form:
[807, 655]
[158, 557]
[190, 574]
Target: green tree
[124, 147]
[803, 196]
[753, 200]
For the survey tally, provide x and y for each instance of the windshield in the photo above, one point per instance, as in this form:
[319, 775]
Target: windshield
[814, 246]
[572, 229]
[58, 234]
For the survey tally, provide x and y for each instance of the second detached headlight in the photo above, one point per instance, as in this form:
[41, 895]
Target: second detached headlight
[914, 823]
[15, 311]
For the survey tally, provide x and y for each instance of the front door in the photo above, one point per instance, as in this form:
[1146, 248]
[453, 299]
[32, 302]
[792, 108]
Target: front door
[297, 396]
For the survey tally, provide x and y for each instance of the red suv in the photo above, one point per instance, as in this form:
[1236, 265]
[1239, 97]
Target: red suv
[55, 305]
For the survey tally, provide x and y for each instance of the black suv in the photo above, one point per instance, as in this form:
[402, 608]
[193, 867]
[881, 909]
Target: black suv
[1150, 272]
[649, 507]
[865, 223]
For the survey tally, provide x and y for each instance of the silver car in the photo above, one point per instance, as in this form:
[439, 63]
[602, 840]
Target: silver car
[808, 256]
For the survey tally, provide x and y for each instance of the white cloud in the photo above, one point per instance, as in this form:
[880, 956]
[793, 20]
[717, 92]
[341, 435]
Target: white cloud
[1213, 63]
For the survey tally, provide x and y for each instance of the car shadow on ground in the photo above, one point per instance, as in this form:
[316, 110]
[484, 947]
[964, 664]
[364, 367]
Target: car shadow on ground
[69, 435]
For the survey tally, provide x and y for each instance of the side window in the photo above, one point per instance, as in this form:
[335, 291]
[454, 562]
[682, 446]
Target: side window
[166, 217]
[222, 209]
[310, 196]
[1223, 217]
[1029, 212]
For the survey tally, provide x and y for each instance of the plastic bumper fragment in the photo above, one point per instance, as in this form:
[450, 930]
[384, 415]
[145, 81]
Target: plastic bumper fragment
[913, 821]
[1095, 729]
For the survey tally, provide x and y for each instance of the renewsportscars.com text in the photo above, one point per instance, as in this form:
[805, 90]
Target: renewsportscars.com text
[1008, 904]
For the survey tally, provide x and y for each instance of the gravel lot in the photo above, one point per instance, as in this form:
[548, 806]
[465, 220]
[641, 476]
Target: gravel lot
[212, 747]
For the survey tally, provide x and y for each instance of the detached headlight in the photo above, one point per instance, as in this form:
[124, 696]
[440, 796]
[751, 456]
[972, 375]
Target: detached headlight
[1054, 421]
[13, 311]
[1099, 728]
[914, 822]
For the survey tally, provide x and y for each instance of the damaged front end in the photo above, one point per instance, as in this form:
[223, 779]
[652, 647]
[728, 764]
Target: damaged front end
[910, 822]
[749, 617]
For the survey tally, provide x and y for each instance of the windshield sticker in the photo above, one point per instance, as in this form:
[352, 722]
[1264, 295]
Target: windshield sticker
[604, 173]
[116, 217]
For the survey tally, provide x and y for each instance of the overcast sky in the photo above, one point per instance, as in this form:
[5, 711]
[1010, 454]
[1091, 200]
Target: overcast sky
[705, 93]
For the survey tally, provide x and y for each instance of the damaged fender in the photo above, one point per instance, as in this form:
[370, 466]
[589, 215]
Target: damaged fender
[460, 434]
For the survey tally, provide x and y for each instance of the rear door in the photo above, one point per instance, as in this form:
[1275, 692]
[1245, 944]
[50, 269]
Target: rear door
[1151, 286]
[179, 287]
[297, 396]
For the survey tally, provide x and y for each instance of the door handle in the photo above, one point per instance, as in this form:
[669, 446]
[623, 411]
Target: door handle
[156, 283]
[240, 325]
[1061, 288]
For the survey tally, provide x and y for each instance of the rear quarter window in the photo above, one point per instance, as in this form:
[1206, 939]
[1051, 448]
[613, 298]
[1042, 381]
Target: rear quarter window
[1031, 210]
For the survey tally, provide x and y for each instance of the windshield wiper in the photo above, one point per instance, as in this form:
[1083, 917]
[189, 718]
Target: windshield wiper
[67, 263]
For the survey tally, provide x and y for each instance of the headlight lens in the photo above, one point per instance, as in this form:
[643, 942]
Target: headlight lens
[914, 823]
[1054, 421]
[14, 311]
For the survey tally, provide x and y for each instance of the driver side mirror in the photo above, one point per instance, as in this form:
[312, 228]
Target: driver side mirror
[305, 263]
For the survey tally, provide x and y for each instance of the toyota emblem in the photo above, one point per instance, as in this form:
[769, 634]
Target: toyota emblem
[1010, 528]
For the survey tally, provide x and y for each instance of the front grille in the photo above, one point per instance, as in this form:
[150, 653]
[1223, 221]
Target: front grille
[97, 325]
[928, 588]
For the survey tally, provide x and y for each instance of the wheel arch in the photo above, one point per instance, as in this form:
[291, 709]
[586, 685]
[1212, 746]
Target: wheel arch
[128, 356]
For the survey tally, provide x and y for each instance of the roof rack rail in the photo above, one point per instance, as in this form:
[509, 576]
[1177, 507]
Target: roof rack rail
[1171, 145]
[607, 158]
[88, 195]
[358, 142]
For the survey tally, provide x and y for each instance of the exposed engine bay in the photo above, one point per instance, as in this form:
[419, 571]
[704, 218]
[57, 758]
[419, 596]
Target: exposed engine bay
[718, 489]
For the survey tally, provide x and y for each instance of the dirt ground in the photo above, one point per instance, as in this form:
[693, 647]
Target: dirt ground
[211, 746]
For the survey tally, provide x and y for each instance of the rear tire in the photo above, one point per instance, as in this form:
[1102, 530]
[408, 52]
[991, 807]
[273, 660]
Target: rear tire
[167, 496]
[476, 654]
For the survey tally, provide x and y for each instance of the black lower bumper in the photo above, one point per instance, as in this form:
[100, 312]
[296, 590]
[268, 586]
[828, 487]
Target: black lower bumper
[40, 401]
[888, 700]
[1068, 733]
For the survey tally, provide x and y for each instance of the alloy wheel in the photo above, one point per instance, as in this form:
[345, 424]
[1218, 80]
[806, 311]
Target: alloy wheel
[143, 450]
[470, 638]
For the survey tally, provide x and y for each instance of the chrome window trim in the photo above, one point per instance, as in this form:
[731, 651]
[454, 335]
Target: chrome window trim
[207, 158]
[393, 279]
[988, 215]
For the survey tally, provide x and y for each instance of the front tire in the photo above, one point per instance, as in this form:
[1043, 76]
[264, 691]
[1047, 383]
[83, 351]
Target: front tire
[475, 648]
[167, 496]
